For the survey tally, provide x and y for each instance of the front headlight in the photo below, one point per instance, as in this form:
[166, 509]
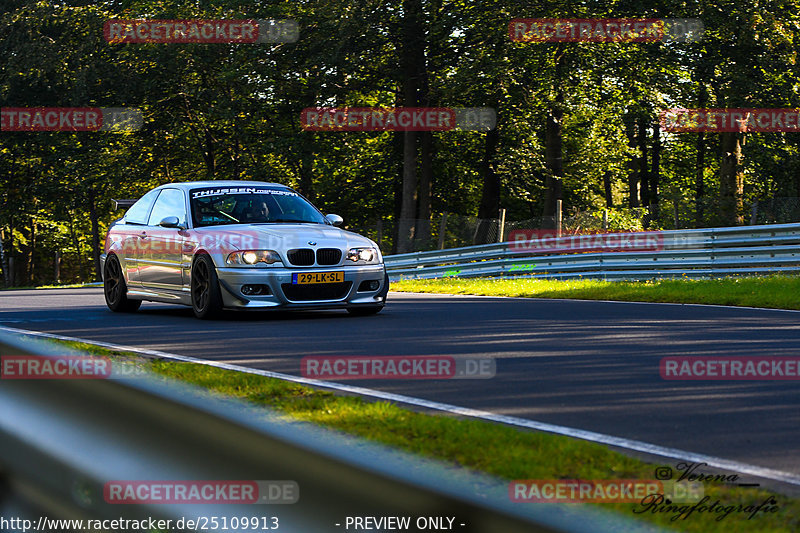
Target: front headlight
[253, 257]
[364, 256]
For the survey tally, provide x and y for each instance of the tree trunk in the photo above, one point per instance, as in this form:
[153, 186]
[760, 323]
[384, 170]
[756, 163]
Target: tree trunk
[95, 236]
[633, 165]
[644, 174]
[409, 195]
[490, 196]
[699, 179]
[12, 278]
[554, 146]
[413, 63]
[700, 164]
[797, 185]
[209, 155]
[32, 257]
[423, 230]
[26, 252]
[397, 153]
[731, 179]
[655, 170]
[10, 200]
[607, 189]
[78, 255]
[4, 261]
[306, 171]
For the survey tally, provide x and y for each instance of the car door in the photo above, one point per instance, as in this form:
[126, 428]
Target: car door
[131, 230]
[161, 248]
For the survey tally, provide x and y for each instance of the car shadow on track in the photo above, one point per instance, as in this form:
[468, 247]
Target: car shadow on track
[254, 316]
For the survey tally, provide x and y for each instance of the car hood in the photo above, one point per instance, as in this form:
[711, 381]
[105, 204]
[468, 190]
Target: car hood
[278, 237]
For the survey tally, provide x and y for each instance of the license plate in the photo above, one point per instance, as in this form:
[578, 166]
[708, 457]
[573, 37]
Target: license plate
[302, 278]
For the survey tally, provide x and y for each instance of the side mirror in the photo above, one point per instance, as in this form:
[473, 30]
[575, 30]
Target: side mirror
[171, 222]
[336, 220]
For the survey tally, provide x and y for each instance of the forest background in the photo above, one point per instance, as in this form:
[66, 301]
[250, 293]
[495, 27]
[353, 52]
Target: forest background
[576, 122]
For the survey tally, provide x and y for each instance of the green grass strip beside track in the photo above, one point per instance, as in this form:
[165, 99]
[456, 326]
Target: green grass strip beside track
[775, 292]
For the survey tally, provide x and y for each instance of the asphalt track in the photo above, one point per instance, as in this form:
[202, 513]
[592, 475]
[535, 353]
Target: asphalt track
[582, 364]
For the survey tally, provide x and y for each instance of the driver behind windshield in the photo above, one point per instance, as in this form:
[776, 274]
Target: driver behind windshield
[258, 212]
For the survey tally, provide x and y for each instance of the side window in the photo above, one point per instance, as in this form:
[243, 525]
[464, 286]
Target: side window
[137, 214]
[170, 203]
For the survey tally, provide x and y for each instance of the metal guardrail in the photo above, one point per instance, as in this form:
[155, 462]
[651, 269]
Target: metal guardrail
[701, 253]
[62, 440]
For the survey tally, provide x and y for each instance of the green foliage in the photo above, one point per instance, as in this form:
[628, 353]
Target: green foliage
[224, 111]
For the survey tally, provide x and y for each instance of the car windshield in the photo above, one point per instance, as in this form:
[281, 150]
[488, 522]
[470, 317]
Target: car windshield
[251, 205]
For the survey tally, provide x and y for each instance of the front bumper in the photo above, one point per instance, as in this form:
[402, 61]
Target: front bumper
[283, 294]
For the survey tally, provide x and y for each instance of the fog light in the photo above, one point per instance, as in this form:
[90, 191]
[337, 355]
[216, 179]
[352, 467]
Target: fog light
[371, 285]
[255, 290]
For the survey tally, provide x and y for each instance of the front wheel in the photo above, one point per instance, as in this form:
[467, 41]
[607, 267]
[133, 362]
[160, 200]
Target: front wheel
[114, 288]
[206, 296]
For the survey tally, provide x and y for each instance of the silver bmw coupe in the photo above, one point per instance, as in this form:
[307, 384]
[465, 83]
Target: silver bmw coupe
[218, 245]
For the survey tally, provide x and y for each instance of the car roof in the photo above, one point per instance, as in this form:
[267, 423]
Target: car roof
[186, 185]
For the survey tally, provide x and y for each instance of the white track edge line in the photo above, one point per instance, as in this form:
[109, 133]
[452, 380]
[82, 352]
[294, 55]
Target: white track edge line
[600, 438]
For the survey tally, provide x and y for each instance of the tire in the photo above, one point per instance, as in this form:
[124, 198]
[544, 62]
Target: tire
[115, 289]
[206, 296]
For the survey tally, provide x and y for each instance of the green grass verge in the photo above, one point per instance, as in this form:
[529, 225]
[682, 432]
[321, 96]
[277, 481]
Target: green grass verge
[776, 292]
[503, 451]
